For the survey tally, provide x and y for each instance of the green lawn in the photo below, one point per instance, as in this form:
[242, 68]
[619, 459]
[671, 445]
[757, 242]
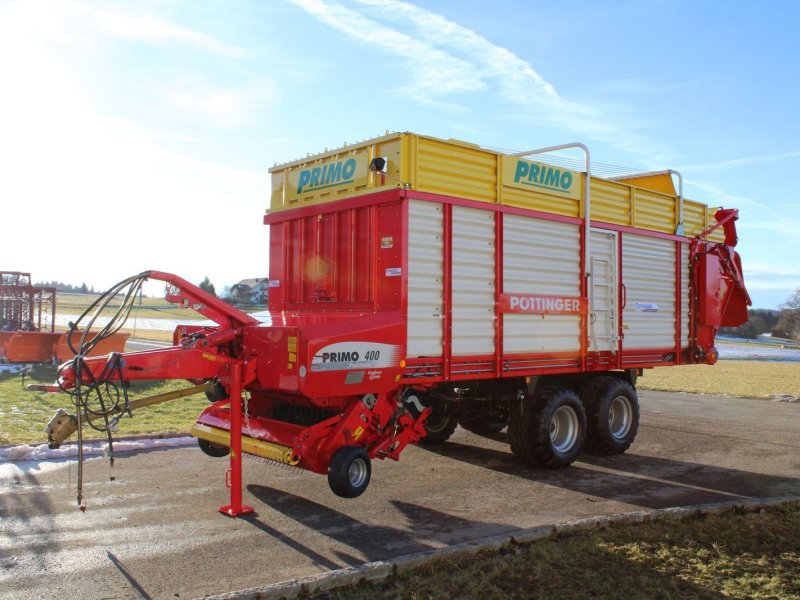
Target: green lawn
[735, 554]
[150, 308]
[24, 414]
[751, 379]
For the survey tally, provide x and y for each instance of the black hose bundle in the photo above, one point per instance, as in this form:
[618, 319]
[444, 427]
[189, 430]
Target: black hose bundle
[97, 398]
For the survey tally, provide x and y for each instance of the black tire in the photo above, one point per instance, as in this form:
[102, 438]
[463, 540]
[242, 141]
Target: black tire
[612, 415]
[488, 423]
[216, 393]
[214, 450]
[439, 426]
[549, 429]
[349, 471]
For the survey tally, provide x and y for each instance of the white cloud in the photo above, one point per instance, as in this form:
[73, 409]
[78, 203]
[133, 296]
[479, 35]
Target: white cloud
[128, 24]
[94, 198]
[741, 162]
[435, 73]
[65, 20]
[230, 107]
[444, 59]
[637, 86]
[764, 276]
[779, 222]
[715, 196]
[148, 28]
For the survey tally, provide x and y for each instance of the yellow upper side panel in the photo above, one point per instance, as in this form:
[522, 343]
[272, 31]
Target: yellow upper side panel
[459, 169]
[657, 182]
[611, 202]
[654, 211]
[338, 174]
[453, 169]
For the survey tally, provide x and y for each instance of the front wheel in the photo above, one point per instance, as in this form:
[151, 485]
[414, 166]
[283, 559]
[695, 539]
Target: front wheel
[349, 472]
[549, 429]
[213, 450]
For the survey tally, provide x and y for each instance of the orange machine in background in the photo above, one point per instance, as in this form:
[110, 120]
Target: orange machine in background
[27, 324]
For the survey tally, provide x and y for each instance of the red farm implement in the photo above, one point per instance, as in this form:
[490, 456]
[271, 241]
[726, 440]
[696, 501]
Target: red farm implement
[27, 324]
[418, 284]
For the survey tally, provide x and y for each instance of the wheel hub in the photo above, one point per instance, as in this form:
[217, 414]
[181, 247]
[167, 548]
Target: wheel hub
[564, 429]
[357, 473]
[620, 417]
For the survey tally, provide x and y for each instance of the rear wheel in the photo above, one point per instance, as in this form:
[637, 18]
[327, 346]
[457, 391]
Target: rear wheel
[439, 426]
[349, 472]
[214, 450]
[549, 429]
[612, 412]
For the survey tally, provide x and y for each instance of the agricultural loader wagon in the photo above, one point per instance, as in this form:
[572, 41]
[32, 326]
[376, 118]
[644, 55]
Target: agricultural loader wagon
[416, 284]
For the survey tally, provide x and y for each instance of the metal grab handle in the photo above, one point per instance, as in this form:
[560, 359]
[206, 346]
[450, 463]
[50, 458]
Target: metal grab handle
[624, 295]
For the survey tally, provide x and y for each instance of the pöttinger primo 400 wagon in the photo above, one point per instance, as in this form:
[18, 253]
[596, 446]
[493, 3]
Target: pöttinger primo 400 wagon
[416, 284]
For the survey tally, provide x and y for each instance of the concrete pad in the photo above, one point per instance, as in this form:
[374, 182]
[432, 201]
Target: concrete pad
[155, 531]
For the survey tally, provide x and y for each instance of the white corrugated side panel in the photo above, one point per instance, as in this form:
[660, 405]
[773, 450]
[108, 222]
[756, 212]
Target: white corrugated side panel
[648, 272]
[425, 277]
[473, 323]
[685, 273]
[540, 257]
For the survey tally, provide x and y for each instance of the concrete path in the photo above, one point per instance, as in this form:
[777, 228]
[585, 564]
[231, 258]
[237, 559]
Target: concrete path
[155, 531]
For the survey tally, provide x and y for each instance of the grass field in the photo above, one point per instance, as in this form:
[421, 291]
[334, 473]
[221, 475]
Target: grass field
[24, 415]
[751, 379]
[735, 554]
[150, 308]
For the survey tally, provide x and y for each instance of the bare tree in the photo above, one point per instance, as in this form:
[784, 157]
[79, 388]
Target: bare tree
[789, 323]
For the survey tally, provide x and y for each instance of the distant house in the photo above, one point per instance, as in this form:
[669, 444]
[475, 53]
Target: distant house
[250, 291]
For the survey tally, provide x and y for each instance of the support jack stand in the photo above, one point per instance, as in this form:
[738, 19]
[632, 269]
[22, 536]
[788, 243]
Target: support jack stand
[234, 478]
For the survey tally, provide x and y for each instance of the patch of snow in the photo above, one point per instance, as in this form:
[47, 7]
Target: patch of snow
[26, 459]
[785, 398]
[757, 352]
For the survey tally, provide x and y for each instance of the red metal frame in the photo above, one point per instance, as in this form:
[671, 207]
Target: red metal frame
[336, 339]
[447, 288]
[498, 293]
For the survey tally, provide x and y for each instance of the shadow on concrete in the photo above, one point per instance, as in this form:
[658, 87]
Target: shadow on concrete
[26, 509]
[644, 481]
[425, 528]
[371, 543]
[128, 577]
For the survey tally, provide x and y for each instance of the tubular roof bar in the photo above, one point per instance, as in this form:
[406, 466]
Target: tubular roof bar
[586, 196]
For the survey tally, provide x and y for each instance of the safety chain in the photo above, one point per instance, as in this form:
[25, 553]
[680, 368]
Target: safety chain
[247, 411]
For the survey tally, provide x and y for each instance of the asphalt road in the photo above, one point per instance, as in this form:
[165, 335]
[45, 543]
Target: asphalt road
[156, 532]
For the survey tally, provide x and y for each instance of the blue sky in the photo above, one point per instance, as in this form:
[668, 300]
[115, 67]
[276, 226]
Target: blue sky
[138, 135]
